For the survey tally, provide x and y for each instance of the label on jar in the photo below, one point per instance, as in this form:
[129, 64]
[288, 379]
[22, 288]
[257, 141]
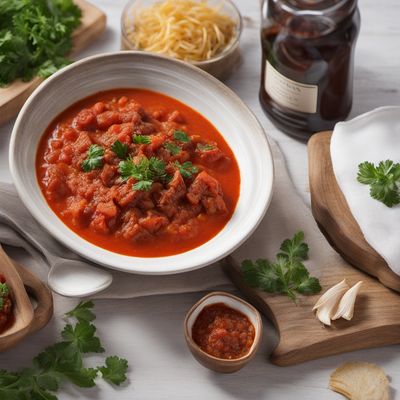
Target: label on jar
[291, 94]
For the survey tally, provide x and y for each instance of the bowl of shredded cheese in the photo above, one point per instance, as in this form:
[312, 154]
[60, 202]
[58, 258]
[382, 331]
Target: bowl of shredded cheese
[204, 33]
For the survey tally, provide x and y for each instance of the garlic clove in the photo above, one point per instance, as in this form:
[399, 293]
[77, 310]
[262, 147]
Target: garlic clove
[327, 309]
[346, 306]
[341, 287]
[323, 315]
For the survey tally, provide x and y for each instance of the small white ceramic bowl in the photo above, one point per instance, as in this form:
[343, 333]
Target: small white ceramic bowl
[188, 84]
[220, 364]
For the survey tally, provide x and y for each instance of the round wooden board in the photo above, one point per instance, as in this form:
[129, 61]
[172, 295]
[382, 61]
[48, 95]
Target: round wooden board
[334, 218]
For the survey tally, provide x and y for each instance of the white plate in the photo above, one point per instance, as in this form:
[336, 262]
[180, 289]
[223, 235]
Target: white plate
[188, 84]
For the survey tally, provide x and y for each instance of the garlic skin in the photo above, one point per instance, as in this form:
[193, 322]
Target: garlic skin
[346, 306]
[327, 304]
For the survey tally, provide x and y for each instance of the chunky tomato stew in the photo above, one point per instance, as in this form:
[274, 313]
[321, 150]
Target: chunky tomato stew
[6, 307]
[138, 173]
[223, 332]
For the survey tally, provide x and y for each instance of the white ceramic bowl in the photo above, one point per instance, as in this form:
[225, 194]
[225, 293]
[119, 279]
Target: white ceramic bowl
[186, 83]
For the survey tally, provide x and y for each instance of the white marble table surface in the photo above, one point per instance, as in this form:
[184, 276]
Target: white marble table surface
[148, 331]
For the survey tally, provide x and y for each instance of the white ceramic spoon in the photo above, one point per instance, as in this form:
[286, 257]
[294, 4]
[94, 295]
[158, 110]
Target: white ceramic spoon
[74, 278]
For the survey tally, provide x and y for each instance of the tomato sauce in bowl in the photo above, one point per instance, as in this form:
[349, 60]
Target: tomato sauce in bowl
[223, 332]
[138, 173]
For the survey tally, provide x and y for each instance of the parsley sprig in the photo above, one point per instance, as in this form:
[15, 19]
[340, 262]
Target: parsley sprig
[141, 139]
[382, 179]
[63, 362]
[145, 172]
[287, 275]
[172, 148]
[120, 149]
[181, 136]
[94, 158]
[187, 169]
[35, 37]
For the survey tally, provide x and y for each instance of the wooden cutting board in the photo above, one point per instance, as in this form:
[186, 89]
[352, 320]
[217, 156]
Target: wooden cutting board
[14, 96]
[334, 218]
[302, 337]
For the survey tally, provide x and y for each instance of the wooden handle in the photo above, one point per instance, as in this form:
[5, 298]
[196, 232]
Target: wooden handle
[41, 293]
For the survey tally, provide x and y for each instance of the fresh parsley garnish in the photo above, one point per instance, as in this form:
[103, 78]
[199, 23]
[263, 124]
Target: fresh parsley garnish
[94, 158]
[120, 149]
[287, 275]
[205, 147]
[187, 169]
[83, 312]
[383, 181]
[35, 37]
[145, 172]
[181, 136]
[114, 370]
[64, 362]
[172, 148]
[4, 291]
[144, 186]
[141, 139]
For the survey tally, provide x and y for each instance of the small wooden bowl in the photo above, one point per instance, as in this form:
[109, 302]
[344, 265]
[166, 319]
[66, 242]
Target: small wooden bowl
[214, 363]
[27, 319]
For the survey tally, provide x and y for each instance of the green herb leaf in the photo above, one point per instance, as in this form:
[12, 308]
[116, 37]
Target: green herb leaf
[120, 149]
[309, 286]
[187, 169]
[83, 337]
[115, 370]
[144, 186]
[141, 139]
[83, 311]
[4, 291]
[84, 377]
[205, 147]
[63, 361]
[35, 37]
[181, 136]
[145, 172]
[94, 158]
[172, 148]
[383, 181]
[287, 275]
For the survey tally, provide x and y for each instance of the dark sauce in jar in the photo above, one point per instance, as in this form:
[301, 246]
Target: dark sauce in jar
[307, 63]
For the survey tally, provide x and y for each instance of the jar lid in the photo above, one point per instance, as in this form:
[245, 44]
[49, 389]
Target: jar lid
[323, 8]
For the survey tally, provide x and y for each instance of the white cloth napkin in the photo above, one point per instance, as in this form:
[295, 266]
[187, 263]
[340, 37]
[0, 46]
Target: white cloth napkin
[286, 214]
[373, 137]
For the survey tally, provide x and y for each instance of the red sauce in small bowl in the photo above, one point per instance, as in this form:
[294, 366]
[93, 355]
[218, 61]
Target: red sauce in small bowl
[223, 332]
[6, 306]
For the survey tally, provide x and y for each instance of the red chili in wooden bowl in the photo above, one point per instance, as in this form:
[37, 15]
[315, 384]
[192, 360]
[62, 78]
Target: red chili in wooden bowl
[6, 306]
[223, 332]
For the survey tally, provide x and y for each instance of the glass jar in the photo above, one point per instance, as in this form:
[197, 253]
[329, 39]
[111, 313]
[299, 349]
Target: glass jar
[307, 63]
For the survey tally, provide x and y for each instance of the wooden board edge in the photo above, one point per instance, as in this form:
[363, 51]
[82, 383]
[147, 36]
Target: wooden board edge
[41, 293]
[372, 263]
